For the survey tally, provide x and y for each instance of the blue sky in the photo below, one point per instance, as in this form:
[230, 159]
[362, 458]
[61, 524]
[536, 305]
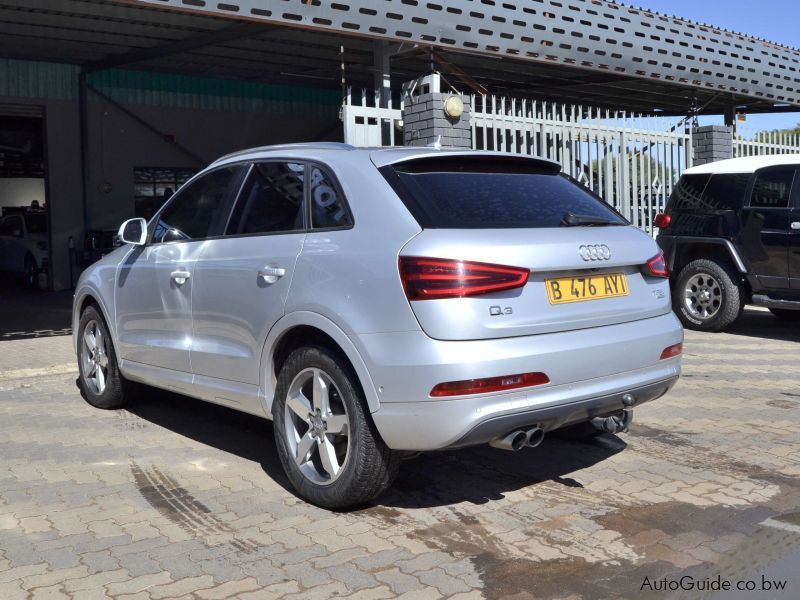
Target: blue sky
[775, 20]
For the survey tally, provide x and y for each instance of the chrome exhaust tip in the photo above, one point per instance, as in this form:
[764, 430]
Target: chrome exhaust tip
[535, 436]
[514, 441]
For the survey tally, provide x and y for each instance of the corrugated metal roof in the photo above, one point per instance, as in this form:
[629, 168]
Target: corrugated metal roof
[31, 79]
[186, 91]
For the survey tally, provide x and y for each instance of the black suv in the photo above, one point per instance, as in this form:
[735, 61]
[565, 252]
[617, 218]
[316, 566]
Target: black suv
[731, 236]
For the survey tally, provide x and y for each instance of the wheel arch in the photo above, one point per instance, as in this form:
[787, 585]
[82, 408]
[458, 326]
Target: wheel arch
[302, 328]
[685, 250]
[83, 299]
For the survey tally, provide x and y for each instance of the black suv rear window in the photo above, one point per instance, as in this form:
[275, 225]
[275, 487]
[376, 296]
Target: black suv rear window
[688, 191]
[719, 192]
[479, 193]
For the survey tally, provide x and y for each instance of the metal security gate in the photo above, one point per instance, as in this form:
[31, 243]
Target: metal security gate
[367, 125]
[631, 161]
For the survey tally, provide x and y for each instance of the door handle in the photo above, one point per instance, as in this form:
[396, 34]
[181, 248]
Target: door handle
[795, 225]
[180, 277]
[271, 274]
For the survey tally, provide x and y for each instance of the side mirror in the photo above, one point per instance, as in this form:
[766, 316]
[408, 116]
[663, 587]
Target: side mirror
[17, 233]
[133, 231]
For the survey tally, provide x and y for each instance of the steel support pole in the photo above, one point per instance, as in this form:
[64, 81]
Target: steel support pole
[381, 77]
[83, 108]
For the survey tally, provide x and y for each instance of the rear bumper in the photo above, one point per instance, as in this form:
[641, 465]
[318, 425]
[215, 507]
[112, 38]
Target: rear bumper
[561, 415]
[589, 370]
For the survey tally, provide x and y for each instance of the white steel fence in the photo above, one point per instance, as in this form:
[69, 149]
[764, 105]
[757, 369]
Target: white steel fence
[766, 142]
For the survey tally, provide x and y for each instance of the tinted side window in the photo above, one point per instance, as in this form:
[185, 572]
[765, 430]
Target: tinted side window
[198, 210]
[328, 207]
[772, 188]
[271, 200]
[724, 192]
[688, 192]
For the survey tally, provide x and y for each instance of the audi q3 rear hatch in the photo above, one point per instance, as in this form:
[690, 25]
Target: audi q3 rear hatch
[510, 246]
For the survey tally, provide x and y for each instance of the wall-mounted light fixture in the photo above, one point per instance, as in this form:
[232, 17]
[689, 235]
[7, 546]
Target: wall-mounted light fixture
[453, 107]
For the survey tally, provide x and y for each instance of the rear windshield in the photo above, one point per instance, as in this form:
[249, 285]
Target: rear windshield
[717, 192]
[486, 194]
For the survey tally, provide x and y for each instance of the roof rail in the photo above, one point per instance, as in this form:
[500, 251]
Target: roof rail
[295, 146]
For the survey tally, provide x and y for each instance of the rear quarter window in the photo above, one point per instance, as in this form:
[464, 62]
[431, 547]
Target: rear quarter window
[470, 193]
[719, 192]
[688, 192]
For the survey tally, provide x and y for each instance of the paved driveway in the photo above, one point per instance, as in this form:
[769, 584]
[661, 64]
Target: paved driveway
[179, 498]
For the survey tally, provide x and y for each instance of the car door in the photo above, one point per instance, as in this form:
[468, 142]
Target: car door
[242, 280]
[765, 225]
[154, 282]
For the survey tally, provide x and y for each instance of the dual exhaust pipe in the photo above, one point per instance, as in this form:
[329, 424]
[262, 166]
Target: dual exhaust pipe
[519, 439]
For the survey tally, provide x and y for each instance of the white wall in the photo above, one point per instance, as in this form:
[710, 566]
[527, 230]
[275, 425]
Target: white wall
[21, 191]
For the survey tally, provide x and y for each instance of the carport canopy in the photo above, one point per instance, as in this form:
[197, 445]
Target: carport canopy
[238, 41]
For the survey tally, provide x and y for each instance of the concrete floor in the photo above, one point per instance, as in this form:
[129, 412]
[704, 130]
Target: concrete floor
[177, 498]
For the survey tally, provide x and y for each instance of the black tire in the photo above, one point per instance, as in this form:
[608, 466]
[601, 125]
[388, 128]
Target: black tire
[31, 272]
[117, 391]
[727, 301]
[368, 468]
[786, 315]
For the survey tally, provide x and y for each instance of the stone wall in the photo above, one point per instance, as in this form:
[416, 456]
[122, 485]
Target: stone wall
[424, 120]
[712, 143]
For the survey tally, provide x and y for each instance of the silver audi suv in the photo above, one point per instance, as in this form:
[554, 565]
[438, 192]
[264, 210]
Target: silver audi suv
[378, 302]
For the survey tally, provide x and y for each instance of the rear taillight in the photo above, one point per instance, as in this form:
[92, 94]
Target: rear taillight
[489, 384]
[657, 266]
[662, 220]
[672, 351]
[435, 278]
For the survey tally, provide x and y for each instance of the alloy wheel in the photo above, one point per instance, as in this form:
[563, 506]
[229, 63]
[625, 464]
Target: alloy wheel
[94, 356]
[317, 426]
[702, 296]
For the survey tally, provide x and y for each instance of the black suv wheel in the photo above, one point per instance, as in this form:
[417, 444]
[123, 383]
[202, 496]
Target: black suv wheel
[707, 296]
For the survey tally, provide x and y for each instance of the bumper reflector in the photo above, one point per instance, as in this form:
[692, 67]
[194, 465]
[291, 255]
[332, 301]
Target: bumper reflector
[672, 351]
[489, 384]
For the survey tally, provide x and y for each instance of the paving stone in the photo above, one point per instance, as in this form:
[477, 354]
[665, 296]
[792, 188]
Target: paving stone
[704, 467]
[190, 585]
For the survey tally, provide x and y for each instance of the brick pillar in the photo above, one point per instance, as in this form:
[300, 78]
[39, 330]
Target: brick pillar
[712, 143]
[425, 121]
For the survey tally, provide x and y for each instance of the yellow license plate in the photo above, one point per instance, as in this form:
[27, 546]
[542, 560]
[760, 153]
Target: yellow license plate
[588, 287]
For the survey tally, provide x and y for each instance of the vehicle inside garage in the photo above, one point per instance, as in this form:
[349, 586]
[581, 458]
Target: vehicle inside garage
[24, 247]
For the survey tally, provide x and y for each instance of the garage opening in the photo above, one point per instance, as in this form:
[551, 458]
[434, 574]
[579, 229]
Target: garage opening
[25, 240]
[24, 222]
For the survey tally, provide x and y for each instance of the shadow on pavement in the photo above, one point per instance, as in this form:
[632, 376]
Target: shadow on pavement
[763, 324]
[477, 475]
[26, 313]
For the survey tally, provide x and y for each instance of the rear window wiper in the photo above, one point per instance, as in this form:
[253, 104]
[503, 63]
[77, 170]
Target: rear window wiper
[570, 219]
